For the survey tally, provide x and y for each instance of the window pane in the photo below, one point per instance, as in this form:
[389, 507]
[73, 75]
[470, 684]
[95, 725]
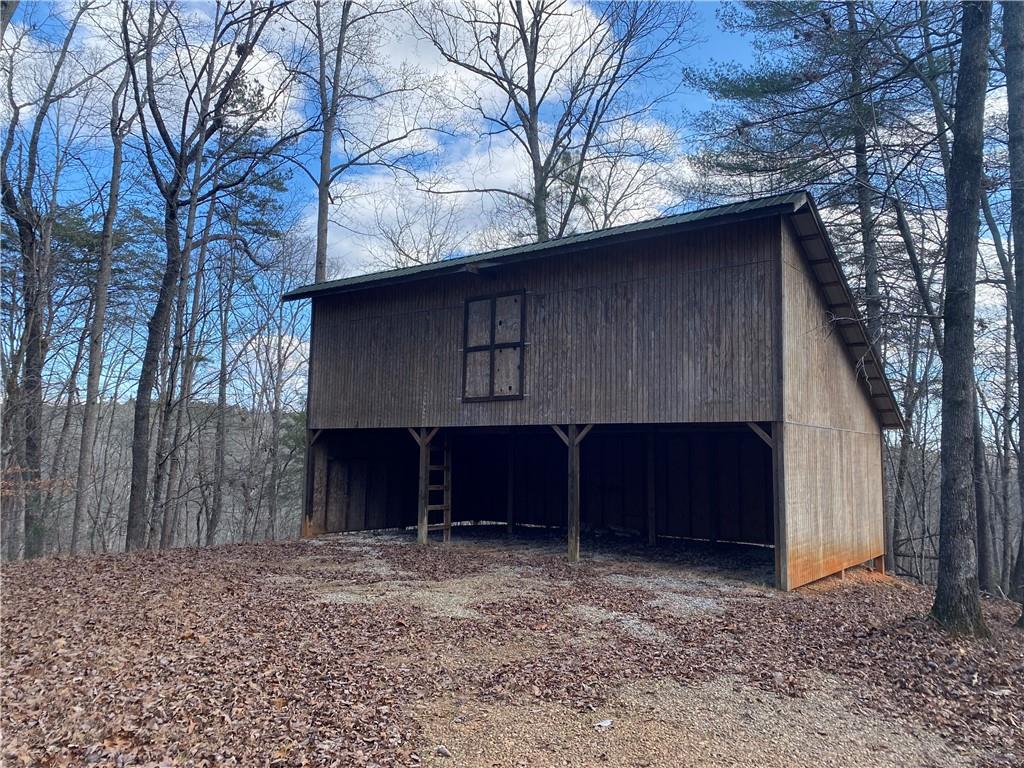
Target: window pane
[478, 323]
[506, 371]
[508, 320]
[478, 374]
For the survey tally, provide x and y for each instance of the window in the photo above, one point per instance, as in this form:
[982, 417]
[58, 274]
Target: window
[492, 364]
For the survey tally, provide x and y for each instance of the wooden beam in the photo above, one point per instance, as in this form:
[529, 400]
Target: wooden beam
[573, 462]
[762, 434]
[423, 435]
[317, 519]
[583, 433]
[447, 483]
[558, 431]
[652, 508]
[510, 498]
[316, 436]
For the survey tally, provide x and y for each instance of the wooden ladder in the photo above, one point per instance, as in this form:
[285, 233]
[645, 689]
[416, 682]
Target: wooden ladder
[439, 487]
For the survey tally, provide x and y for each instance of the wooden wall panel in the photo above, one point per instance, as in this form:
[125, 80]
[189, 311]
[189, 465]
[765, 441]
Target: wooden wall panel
[676, 329]
[833, 501]
[709, 484]
[821, 385]
[832, 446]
[370, 480]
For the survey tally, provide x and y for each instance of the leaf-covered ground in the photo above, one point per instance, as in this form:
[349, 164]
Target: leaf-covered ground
[368, 650]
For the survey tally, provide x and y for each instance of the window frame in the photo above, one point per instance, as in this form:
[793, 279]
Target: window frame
[492, 346]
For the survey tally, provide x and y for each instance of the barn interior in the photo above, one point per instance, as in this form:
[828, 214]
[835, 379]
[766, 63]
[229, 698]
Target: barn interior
[708, 482]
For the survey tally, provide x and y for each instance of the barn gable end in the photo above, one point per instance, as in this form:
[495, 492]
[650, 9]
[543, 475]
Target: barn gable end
[831, 437]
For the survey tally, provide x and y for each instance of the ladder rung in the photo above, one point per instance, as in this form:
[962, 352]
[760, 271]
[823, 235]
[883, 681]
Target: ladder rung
[433, 507]
[437, 467]
[437, 487]
[438, 527]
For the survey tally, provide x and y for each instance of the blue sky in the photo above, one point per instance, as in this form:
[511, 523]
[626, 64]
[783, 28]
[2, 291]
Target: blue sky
[718, 46]
[715, 46]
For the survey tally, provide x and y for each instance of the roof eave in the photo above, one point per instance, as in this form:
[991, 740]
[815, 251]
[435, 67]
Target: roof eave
[828, 272]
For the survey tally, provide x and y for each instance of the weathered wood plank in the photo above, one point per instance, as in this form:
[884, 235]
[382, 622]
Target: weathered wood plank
[632, 330]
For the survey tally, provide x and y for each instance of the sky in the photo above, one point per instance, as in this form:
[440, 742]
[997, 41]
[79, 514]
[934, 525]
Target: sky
[718, 46]
[354, 247]
[371, 199]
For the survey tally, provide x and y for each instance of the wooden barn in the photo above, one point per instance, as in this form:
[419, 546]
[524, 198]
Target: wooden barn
[705, 375]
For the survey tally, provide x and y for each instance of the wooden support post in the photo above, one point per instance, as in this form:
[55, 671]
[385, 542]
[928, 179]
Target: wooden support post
[421, 517]
[878, 564]
[446, 535]
[572, 439]
[423, 438]
[781, 536]
[652, 508]
[316, 520]
[510, 497]
[574, 494]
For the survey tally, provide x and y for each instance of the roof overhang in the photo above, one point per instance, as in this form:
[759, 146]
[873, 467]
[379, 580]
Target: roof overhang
[845, 316]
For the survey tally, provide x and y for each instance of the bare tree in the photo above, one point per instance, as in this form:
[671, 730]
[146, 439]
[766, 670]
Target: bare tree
[556, 79]
[409, 229]
[1013, 43]
[369, 111]
[32, 215]
[957, 605]
[210, 70]
[119, 125]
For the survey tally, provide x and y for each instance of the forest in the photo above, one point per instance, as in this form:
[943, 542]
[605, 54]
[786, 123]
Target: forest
[170, 169]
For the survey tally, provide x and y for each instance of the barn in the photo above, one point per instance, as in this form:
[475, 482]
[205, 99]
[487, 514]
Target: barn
[704, 376]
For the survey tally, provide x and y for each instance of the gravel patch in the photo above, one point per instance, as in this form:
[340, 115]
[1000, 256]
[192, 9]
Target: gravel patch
[452, 598]
[631, 625]
[661, 724]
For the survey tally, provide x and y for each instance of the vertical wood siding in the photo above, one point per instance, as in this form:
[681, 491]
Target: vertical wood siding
[832, 448]
[675, 329]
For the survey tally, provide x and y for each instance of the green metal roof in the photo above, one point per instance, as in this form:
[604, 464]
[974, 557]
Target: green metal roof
[748, 209]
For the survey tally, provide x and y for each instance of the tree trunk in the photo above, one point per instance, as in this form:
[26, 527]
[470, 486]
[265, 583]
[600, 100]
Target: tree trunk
[323, 199]
[95, 364]
[957, 602]
[862, 177]
[275, 435]
[55, 489]
[32, 400]
[1013, 43]
[982, 503]
[329, 92]
[188, 366]
[167, 408]
[143, 416]
[220, 433]
[911, 390]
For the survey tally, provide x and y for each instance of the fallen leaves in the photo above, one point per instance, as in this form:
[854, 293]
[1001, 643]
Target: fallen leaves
[226, 656]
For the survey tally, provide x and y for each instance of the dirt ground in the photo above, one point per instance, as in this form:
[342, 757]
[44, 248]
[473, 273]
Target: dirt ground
[365, 649]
